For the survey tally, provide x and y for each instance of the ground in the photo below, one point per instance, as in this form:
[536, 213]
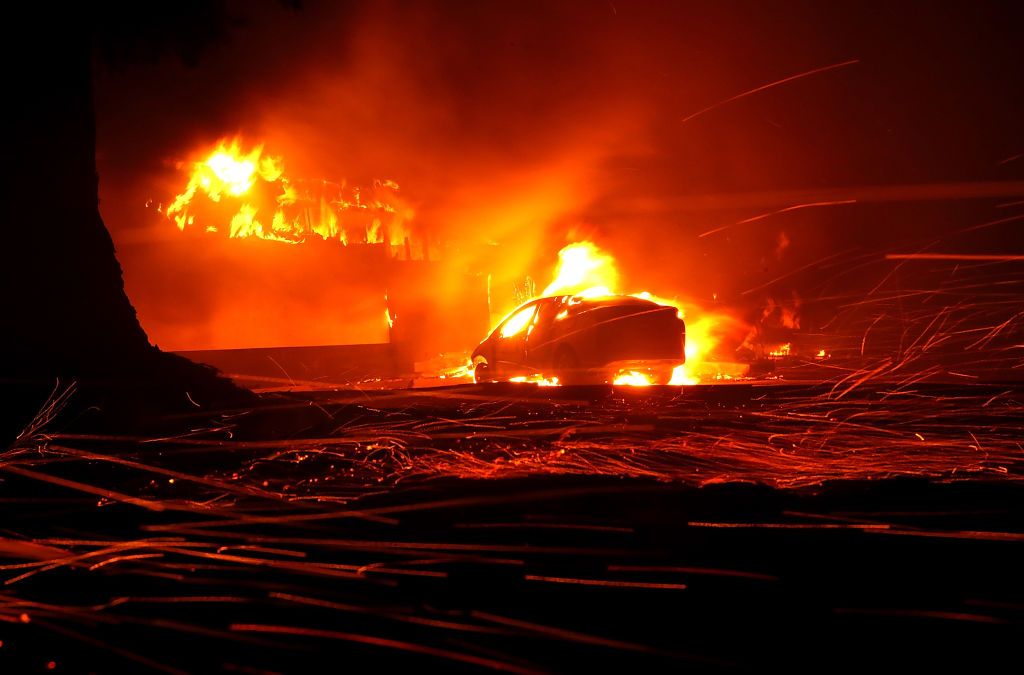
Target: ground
[523, 529]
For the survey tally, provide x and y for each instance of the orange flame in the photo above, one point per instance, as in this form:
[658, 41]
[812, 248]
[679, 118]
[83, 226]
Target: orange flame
[632, 378]
[273, 206]
[585, 269]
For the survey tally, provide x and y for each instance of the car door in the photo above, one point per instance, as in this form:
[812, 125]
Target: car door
[510, 343]
[542, 337]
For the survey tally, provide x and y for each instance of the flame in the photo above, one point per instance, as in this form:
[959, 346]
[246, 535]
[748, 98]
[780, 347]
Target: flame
[680, 378]
[226, 171]
[538, 380]
[518, 322]
[780, 351]
[632, 378]
[585, 270]
[463, 371]
[271, 205]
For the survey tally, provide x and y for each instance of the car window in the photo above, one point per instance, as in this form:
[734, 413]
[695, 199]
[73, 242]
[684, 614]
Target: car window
[547, 312]
[518, 322]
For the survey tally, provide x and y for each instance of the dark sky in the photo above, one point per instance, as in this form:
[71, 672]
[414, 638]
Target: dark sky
[530, 123]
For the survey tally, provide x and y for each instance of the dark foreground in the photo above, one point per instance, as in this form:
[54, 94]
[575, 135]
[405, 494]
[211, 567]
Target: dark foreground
[514, 529]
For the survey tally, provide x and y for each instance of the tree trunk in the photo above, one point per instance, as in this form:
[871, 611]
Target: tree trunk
[65, 312]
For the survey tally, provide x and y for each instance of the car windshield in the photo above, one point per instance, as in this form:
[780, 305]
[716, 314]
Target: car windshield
[518, 321]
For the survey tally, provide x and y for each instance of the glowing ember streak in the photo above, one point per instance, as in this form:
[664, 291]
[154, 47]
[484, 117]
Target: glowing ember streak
[957, 257]
[770, 85]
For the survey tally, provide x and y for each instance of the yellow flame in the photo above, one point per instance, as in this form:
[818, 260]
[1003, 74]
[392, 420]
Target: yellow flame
[584, 270]
[703, 337]
[632, 378]
[244, 222]
[225, 172]
[538, 380]
[645, 295]
[278, 208]
[517, 322]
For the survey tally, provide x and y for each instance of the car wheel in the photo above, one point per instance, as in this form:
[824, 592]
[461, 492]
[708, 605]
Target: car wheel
[567, 367]
[661, 375]
[482, 372]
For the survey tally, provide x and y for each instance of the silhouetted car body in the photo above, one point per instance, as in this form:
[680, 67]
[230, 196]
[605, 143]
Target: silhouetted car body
[583, 340]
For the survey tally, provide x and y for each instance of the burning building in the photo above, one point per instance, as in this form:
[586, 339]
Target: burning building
[297, 241]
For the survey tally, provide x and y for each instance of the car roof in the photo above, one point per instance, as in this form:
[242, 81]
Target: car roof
[604, 300]
[581, 303]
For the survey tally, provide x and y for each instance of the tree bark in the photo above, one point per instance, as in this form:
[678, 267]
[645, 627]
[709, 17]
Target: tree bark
[64, 308]
[63, 289]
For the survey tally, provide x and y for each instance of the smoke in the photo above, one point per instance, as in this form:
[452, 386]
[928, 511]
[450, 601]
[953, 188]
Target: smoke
[497, 121]
[513, 129]
[496, 152]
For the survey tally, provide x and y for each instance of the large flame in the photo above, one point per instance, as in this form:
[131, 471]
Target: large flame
[585, 269]
[268, 204]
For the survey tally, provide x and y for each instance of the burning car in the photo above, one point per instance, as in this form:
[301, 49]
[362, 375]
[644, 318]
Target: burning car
[584, 340]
